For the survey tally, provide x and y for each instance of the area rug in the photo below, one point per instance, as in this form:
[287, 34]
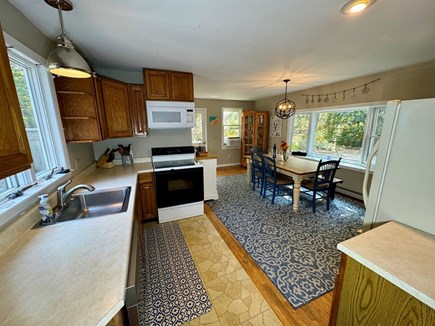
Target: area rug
[171, 291]
[296, 250]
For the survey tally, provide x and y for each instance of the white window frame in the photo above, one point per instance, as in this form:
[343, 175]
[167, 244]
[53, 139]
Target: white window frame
[368, 132]
[238, 144]
[46, 109]
[203, 112]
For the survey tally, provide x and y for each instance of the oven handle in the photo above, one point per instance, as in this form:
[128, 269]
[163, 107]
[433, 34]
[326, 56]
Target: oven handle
[177, 171]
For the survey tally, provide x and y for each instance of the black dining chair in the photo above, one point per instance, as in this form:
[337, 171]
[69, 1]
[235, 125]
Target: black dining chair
[274, 181]
[321, 186]
[257, 173]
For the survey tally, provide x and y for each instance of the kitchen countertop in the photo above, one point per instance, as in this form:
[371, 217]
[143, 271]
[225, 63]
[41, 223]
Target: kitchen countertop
[402, 255]
[74, 272]
[209, 156]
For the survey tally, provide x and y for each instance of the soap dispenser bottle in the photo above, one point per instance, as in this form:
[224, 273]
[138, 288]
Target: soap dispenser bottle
[45, 210]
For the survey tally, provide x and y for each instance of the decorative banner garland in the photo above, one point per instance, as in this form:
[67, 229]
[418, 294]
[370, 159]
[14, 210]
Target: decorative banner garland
[327, 96]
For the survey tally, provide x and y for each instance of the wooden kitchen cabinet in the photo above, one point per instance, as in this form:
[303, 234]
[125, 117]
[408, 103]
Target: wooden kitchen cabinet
[363, 297]
[157, 84]
[147, 196]
[386, 278]
[15, 153]
[138, 110]
[83, 117]
[255, 126]
[116, 107]
[181, 86]
[168, 85]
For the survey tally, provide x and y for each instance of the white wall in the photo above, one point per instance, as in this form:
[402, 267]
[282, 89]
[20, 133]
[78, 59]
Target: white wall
[19, 27]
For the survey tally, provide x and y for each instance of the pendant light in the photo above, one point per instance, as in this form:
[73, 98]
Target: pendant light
[64, 60]
[285, 108]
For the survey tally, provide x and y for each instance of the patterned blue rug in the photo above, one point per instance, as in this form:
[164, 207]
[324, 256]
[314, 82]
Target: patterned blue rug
[171, 291]
[296, 250]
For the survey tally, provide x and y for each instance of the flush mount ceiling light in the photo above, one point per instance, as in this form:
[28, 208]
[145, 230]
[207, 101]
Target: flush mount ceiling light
[285, 108]
[64, 60]
[355, 6]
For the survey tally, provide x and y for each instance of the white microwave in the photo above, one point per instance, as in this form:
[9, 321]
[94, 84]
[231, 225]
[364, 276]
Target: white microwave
[168, 115]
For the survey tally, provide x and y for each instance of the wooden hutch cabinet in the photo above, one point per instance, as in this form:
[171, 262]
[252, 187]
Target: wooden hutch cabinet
[168, 85]
[254, 133]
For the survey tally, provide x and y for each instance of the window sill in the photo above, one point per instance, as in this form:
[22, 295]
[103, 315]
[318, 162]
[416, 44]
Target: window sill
[343, 165]
[13, 209]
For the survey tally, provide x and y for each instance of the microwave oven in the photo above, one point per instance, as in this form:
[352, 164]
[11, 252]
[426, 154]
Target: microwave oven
[168, 115]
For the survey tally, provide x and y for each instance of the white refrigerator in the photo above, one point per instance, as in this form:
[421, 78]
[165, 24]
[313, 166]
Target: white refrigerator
[403, 182]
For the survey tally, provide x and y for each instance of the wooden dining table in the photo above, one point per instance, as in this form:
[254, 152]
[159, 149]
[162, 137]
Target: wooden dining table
[295, 167]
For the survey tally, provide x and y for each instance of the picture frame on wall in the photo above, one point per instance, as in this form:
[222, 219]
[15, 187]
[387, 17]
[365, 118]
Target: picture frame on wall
[275, 126]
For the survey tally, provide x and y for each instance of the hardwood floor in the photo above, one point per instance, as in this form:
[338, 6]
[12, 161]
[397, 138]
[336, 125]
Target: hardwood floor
[230, 170]
[314, 313]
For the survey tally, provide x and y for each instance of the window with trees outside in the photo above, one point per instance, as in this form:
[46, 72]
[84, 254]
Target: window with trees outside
[199, 132]
[42, 129]
[231, 124]
[346, 133]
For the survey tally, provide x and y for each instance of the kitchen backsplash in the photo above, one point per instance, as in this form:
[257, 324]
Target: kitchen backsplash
[141, 146]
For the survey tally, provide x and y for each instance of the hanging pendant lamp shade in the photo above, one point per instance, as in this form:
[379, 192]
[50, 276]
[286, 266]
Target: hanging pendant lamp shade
[285, 108]
[64, 60]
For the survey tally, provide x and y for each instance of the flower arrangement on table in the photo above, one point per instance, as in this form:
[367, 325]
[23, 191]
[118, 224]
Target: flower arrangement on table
[284, 148]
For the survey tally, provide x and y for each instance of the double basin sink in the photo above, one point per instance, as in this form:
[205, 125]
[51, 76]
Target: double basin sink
[95, 203]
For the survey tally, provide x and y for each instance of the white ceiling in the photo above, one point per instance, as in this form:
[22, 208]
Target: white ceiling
[243, 49]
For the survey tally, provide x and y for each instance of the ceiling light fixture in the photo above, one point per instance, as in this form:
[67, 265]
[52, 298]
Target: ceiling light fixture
[352, 91]
[64, 60]
[355, 6]
[285, 108]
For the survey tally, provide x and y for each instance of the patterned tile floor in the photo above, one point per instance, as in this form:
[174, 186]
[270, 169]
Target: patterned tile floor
[235, 298]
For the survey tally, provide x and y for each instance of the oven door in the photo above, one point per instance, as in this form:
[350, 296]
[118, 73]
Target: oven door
[179, 186]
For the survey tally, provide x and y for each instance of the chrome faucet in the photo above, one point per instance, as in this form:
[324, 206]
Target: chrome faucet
[62, 196]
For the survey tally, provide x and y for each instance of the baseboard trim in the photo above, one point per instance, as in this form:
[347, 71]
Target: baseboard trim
[228, 164]
[349, 193]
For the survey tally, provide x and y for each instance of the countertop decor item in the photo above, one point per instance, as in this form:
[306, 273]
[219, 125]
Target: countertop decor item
[284, 148]
[64, 60]
[285, 108]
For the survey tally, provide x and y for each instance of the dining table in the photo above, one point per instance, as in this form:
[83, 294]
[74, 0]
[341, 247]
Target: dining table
[296, 167]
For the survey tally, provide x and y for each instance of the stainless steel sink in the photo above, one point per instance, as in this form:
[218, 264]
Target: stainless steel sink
[96, 203]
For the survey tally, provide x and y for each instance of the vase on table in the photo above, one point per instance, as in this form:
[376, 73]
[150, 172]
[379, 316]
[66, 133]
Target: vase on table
[285, 156]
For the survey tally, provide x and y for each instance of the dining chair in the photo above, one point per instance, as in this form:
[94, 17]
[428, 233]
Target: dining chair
[321, 186]
[274, 181]
[257, 177]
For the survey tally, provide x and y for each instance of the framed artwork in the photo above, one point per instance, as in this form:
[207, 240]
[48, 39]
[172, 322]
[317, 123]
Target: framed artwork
[275, 126]
[213, 120]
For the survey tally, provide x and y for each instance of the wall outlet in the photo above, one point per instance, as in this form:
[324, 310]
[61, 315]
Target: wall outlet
[77, 163]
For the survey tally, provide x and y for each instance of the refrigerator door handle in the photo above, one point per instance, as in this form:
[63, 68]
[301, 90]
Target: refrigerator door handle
[367, 173]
